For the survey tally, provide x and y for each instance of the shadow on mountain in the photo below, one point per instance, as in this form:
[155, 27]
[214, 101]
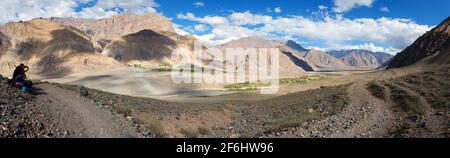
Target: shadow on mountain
[103, 42]
[144, 45]
[298, 62]
[48, 57]
[66, 39]
[4, 43]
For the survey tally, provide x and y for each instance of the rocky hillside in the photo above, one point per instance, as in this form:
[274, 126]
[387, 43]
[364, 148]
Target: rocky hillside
[362, 60]
[295, 46]
[383, 58]
[4, 43]
[436, 41]
[50, 49]
[147, 48]
[321, 61]
[105, 30]
[20, 118]
[139, 40]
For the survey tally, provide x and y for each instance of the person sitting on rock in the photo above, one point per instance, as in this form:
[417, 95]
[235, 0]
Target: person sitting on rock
[21, 69]
[19, 78]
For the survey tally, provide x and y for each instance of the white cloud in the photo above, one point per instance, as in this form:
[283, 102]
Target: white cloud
[342, 6]
[372, 47]
[200, 27]
[322, 7]
[135, 6]
[384, 9]
[277, 10]
[16, 10]
[333, 31]
[180, 30]
[198, 4]
[248, 18]
[106, 8]
[317, 48]
[211, 20]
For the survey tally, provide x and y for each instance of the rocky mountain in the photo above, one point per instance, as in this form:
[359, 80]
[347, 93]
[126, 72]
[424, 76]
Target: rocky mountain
[4, 43]
[105, 30]
[314, 60]
[321, 61]
[435, 42]
[143, 40]
[292, 63]
[295, 46]
[383, 58]
[361, 59]
[147, 48]
[338, 53]
[50, 49]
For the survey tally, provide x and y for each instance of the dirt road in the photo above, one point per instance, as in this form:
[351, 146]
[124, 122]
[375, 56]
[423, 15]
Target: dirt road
[371, 117]
[365, 116]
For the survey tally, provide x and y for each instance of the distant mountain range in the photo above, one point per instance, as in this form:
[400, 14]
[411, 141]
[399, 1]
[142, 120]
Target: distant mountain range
[292, 62]
[363, 59]
[294, 56]
[322, 61]
[83, 45]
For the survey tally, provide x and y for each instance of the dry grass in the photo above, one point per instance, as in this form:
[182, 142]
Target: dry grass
[293, 121]
[291, 110]
[152, 123]
[408, 103]
[376, 89]
[433, 86]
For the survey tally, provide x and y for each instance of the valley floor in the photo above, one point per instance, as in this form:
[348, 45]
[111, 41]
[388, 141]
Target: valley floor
[393, 103]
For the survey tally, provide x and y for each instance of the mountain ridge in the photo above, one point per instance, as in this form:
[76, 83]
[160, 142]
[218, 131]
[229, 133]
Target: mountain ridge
[105, 30]
[437, 40]
[50, 48]
[361, 58]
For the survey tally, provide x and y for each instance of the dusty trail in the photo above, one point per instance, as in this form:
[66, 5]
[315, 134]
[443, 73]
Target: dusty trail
[365, 116]
[432, 123]
[375, 118]
[81, 117]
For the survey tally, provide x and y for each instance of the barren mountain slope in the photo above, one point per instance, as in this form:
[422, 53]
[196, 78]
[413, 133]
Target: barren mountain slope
[105, 30]
[147, 48]
[4, 43]
[432, 42]
[293, 45]
[361, 60]
[51, 49]
[321, 61]
[292, 64]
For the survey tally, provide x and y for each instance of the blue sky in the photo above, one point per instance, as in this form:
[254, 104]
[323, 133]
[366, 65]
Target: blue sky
[422, 11]
[377, 25]
[419, 12]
